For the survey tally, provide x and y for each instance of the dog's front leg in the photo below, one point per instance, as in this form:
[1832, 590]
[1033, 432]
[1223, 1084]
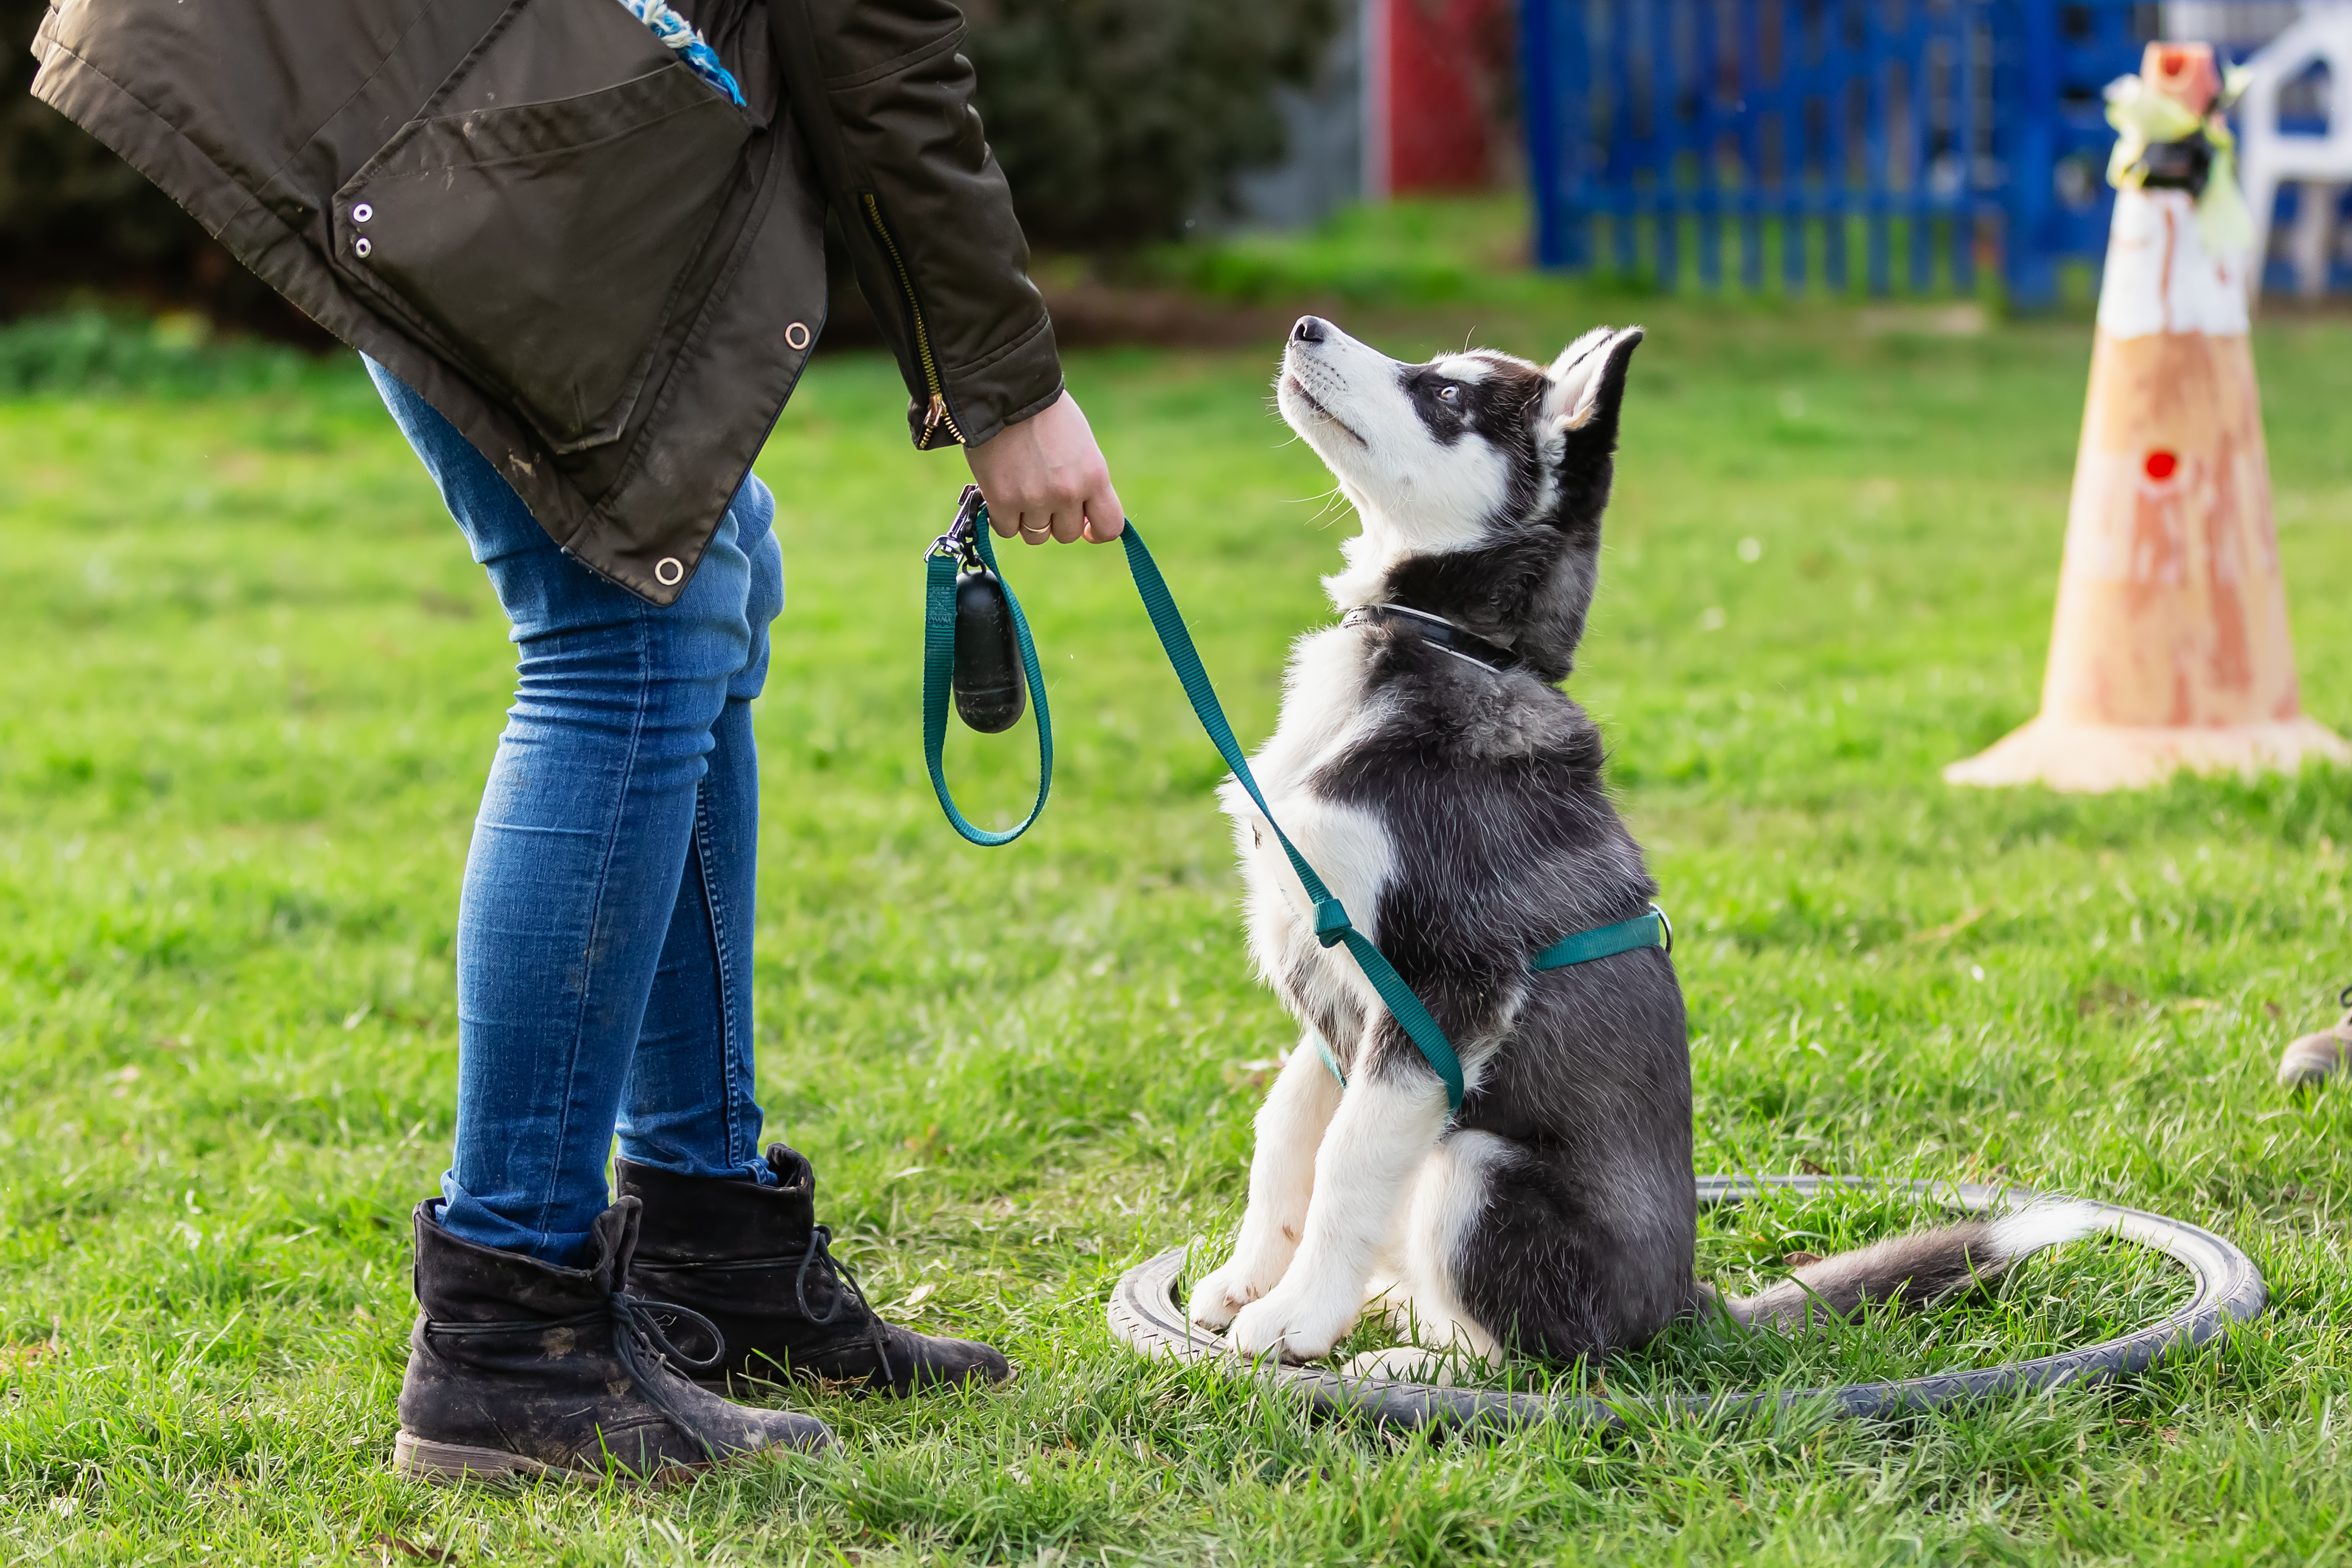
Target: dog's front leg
[1387, 1121]
[1282, 1179]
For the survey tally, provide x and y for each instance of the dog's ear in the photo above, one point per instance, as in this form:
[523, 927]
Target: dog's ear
[1584, 387]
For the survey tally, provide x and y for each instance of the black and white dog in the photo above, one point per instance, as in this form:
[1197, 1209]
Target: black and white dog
[1451, 795]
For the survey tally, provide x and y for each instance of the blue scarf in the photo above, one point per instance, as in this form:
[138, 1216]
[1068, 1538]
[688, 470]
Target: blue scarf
[678, 33]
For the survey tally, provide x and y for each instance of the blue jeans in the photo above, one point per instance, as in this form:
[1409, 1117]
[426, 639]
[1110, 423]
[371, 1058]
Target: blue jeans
[604, 932]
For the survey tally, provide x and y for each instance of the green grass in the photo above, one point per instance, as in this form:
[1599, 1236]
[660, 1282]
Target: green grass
[1410, 252]
[253, 684]
[1460, 250]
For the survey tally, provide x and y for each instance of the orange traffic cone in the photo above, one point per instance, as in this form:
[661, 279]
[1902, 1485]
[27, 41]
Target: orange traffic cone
[2170, 648]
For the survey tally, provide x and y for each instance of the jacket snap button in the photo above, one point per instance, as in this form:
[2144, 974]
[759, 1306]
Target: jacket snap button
[364, 246]
[796, 336]
[668, 570]
[363, 212]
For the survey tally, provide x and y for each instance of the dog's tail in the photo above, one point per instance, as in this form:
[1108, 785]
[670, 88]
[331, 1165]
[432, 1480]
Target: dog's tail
[1915, 1271]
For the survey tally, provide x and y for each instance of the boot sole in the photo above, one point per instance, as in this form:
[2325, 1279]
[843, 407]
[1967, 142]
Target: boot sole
[451, 1464]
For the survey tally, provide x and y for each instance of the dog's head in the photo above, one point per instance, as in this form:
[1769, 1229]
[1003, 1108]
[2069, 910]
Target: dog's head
[1480, 479]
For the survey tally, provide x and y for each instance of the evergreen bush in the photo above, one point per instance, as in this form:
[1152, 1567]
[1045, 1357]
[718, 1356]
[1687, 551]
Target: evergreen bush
[1117, 120]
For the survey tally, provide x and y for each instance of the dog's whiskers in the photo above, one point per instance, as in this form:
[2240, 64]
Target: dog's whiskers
[1333, 500]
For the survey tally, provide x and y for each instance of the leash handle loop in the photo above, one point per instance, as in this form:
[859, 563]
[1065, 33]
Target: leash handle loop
[964, 543]
[1331, 924]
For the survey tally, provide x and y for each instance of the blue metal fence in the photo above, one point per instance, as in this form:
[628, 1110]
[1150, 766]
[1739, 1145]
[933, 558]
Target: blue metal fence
[1775, 138]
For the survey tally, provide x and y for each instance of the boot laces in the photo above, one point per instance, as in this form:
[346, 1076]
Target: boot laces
[845, 1288]
[640, 1337]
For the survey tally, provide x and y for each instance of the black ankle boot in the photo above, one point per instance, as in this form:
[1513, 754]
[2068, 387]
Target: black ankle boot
[518, 1367]
[754, 1261]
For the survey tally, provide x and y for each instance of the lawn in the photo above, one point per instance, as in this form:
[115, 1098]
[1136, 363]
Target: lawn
[253, 683]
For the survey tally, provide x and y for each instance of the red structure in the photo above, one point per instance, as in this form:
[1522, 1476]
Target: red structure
[1440, 73]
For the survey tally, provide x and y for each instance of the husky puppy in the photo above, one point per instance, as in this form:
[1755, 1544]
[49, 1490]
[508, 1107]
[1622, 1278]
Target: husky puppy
[1451, 795]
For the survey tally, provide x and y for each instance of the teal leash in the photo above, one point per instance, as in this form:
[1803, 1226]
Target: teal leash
[965, 546]
[1332, 925]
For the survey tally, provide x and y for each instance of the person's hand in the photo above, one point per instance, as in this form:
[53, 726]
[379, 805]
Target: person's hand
[1044, 478]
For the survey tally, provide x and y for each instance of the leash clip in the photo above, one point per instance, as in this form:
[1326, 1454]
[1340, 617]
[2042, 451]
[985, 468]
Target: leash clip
[960, 543]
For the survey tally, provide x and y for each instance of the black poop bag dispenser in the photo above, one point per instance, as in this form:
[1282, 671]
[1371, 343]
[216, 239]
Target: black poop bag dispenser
[976, 646]
[991, 692]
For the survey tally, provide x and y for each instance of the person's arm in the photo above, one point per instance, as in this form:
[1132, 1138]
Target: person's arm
[884, 98]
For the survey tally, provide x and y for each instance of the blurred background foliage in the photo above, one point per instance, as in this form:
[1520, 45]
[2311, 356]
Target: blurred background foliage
[70, 210]
[1118, 121]
[88, 352]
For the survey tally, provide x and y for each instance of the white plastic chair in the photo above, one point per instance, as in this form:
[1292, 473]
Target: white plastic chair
[2267, 159]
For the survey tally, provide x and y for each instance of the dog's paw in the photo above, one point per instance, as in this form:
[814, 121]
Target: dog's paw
[1298, 1325]
[1219, 1298]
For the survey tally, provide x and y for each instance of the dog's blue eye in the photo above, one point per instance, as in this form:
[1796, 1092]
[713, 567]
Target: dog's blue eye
[1449, 394]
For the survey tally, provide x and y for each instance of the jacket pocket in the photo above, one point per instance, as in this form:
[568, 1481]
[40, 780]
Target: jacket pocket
[539, 245]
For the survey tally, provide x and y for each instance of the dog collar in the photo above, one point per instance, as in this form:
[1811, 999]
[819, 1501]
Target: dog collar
[1436, 630]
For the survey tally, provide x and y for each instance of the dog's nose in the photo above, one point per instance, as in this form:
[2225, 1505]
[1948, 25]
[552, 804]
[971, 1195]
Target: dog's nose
[1308, 331]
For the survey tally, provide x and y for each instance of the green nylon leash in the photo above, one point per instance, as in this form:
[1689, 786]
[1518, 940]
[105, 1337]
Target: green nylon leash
[1331, 924]
[965, 546]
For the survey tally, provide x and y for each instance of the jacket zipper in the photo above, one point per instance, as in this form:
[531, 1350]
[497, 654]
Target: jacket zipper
[939, 414]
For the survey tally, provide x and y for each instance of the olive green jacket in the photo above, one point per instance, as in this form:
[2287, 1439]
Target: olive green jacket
[600, 270]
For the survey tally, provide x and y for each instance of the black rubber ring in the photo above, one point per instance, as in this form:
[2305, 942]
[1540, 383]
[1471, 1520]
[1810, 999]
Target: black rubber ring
[1145, 1314]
